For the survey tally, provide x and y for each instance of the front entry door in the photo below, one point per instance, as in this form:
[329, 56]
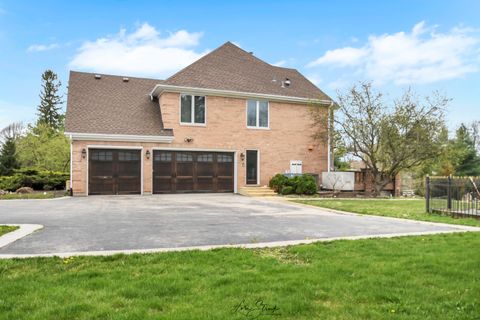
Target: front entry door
[252, 167]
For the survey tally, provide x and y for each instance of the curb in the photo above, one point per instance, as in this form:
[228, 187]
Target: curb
[23, 231]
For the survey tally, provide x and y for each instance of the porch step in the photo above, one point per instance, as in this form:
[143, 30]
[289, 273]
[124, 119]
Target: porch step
[257, 191]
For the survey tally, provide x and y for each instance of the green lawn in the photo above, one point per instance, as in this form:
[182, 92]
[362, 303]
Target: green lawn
[6, 229]
[401, 208]
[36, 195]
[430, 277]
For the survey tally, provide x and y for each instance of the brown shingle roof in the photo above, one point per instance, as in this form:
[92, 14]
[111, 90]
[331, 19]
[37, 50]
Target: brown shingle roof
[111, 106]
[231, 68]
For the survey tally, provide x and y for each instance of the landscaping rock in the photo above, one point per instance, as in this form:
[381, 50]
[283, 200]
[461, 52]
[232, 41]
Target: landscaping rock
[24, 190]
[3, 192]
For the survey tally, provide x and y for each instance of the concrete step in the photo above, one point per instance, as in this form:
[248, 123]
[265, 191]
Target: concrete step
[257, 191]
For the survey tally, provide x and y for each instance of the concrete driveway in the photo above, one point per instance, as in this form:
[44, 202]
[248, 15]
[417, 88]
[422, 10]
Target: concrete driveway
[101, 223]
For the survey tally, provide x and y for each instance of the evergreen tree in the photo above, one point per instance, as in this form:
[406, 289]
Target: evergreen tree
[469, 161]
[49, 110]
[8, 157]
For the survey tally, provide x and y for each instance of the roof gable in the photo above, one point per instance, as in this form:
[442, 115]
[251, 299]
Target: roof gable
[231, 68]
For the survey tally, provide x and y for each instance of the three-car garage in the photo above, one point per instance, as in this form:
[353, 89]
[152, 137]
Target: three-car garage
[119, 171]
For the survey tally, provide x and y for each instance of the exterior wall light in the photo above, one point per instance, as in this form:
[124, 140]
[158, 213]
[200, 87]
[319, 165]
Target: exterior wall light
[310, 148]
[84, 153]
[147, 154]
[242, 156]
[188, 139]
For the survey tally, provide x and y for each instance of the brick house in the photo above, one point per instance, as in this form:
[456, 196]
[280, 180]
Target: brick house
[226, 121]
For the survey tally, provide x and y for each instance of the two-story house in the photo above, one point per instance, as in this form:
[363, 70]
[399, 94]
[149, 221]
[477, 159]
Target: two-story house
[226, 121]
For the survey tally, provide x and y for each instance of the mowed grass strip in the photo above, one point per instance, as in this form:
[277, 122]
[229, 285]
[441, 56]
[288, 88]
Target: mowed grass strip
[7, 229]
[430, 277]
[408, 209]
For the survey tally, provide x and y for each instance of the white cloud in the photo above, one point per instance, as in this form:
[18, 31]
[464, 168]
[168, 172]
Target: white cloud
[280, 63]
[143, 52]
[42, 47]
[420, 56]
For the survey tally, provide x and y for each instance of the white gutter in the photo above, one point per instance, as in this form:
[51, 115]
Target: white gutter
[159, 88]
[71, 162]
[118, 137]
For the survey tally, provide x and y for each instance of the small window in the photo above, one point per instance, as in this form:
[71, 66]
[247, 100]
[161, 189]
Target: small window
[257, 114]
[102, 155]
[184, 157]
[192, 109]
[205, 158]
[163, 156]
[128, 156]
[224, 158]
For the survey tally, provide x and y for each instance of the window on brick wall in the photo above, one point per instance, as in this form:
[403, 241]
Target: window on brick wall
[192, 109]
[257, 114]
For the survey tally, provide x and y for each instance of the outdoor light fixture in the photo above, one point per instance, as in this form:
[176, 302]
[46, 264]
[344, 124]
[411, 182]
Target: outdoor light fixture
[147, 154]
[242, 156]
[310, 148]
[84, 153]
[188, 139]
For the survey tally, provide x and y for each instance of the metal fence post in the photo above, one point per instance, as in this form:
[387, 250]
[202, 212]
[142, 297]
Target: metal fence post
[449, 193]
[427, 193]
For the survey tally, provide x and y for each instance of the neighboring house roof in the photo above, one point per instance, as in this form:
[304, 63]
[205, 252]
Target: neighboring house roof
[111, 106]
[231, 68]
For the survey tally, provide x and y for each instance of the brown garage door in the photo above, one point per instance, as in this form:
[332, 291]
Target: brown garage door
[185, 171]
[114, 171]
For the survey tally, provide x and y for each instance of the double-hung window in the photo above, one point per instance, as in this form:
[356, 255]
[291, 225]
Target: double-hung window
[192, 109]
[257, 114]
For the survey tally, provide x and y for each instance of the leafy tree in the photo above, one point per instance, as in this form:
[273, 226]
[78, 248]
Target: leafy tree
[49, 111]
[44, 148]
[389, 138]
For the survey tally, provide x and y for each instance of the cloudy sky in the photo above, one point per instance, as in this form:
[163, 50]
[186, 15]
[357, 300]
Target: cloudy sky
[426, 45]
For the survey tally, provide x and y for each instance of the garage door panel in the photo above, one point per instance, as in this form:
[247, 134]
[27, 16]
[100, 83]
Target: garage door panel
[114, 171]
[191, 171]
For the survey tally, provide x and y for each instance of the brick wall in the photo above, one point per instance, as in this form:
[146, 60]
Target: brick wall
[288, 138]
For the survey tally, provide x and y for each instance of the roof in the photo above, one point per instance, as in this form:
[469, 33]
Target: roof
[111, 106]
[231, 68]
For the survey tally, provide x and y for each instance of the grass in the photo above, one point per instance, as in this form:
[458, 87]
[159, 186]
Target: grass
[408, 209]
[7, 229]
[430, 277]
[35, 195]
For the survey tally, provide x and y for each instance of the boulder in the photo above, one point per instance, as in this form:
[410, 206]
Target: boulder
[3, 192]
[24, 190]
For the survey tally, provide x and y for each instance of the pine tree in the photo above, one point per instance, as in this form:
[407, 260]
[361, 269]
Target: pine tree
[469, 160]
[49, 110]
[8, 157]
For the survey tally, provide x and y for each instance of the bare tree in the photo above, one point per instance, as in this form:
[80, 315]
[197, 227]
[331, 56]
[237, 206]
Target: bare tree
[12, 131]
[389, 138]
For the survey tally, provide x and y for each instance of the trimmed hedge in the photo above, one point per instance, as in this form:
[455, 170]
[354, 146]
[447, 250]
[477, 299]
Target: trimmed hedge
[303, 184]
[34, 178]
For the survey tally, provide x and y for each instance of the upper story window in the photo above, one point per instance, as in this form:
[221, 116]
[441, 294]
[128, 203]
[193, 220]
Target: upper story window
[257, 114]
[192, 109]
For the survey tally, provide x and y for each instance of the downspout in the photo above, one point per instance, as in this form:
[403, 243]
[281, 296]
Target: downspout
[71, 165]
[329, 153]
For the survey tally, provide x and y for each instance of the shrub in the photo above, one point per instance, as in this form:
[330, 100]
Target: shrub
[277, 182]
[287, 190]
[303, 184]
[34, 178]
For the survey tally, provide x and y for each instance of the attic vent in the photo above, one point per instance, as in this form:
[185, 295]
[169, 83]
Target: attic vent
[98, 76]
[286, 83]
[125, 79]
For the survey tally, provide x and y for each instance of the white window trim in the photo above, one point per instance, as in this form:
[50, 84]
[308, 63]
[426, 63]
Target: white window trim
[257, 109]
[192, 110]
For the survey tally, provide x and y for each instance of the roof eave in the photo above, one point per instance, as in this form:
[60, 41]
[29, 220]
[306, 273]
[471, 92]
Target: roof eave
[159, 88]
[118, 137]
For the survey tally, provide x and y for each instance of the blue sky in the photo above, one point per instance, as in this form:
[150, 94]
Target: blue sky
[428, 45]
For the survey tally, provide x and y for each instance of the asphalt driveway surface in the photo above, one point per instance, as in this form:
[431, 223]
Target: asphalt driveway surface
[169, 221]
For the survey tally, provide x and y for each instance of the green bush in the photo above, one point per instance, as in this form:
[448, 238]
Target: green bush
[277, 182]
[34, 178]
[304, 184]
[287, 190]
